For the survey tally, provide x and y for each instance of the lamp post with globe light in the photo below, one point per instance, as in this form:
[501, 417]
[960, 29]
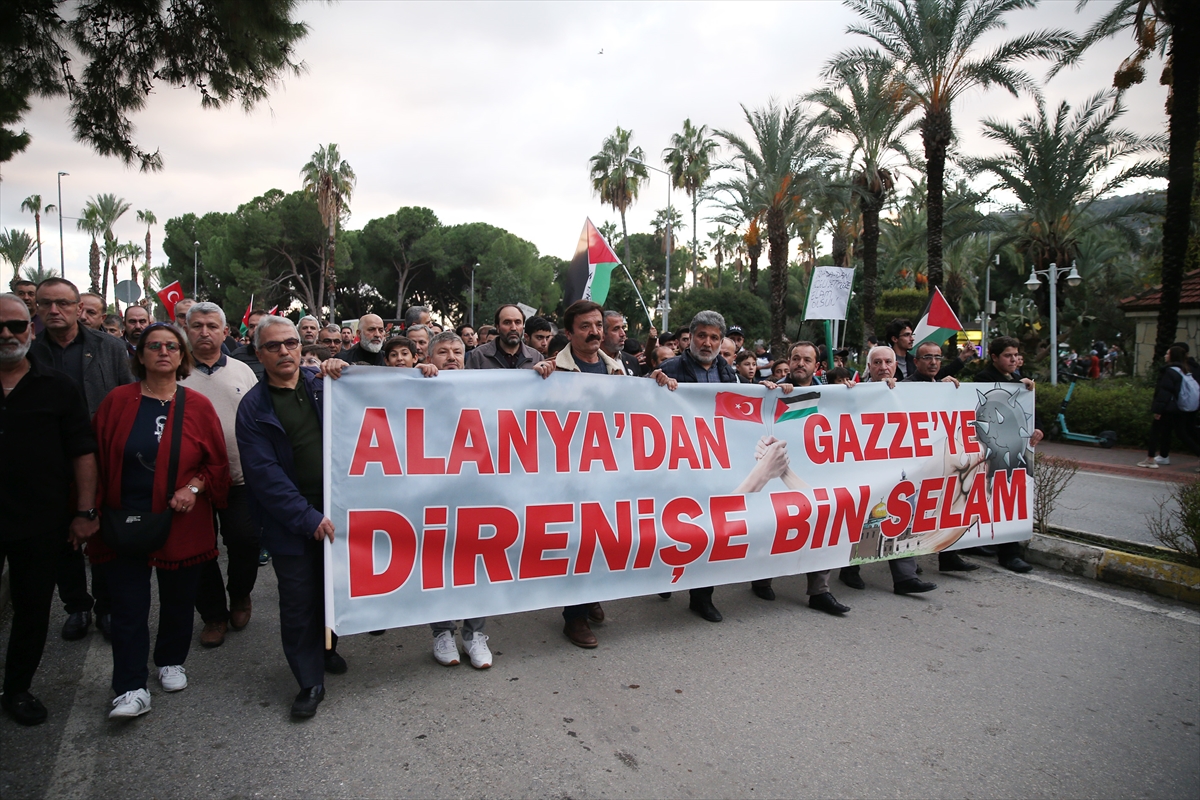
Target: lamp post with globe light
[1052, 274]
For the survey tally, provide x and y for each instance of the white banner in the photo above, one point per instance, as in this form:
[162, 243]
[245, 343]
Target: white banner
[829, 293]
[495, 491]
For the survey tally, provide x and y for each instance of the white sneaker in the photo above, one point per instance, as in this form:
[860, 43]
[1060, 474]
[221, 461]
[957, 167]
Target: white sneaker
[130, 704]
[445, 649]
[1162, 461]
[477, 649]
[1149, 463]
[173, 679]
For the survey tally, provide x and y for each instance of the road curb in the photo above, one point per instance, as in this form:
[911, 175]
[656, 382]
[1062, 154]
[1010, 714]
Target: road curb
[1137, 472]
[1149, 574]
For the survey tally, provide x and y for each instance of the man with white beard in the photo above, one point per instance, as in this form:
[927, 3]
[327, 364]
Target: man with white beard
[370, 342]
[48, 442]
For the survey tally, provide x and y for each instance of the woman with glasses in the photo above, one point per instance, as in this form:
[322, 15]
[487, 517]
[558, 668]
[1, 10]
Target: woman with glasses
[134, 429]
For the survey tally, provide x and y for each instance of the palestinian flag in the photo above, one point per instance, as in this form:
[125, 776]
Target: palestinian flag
[796, 406]
[938, 323]
[246, 316]
[591, 269]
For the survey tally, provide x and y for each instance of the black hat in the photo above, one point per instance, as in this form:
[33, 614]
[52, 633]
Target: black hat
[735, 329]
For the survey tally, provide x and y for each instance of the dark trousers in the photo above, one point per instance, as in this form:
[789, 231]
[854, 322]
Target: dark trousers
[71, 577]
[241, 543]
[902, 569]
[129, 584]
[1181, 423]
[31, 585]
[302, 612]
[575, 612]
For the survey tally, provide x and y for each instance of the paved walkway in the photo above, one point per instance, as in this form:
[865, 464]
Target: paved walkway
[1123, 461]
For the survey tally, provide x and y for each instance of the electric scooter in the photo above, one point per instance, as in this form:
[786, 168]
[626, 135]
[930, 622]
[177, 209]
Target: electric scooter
[1060, 430]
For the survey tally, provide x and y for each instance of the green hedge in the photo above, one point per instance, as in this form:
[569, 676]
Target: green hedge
[1107, 405]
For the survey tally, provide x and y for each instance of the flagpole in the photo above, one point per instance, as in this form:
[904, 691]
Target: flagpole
[639, 295]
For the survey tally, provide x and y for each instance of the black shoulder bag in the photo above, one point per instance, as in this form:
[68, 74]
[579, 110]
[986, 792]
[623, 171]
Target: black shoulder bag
[137, 534]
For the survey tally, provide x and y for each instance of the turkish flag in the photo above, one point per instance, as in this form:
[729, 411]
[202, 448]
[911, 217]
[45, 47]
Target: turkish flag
[169, 296]
[739, 406]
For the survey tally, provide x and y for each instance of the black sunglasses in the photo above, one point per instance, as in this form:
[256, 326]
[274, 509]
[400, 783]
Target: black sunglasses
[16, 325]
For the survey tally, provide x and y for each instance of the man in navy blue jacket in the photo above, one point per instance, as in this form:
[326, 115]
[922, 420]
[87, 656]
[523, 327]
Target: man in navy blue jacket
[279, 432]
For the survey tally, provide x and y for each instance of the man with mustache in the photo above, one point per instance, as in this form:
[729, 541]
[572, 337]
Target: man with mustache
[583, 323]
[136, 320]
[224, 381]
[97, 363]
[370, 342]
[508, 350]
[48, 438]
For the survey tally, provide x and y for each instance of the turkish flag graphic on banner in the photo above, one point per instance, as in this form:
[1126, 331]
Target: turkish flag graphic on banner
[739, 406]
[170, 295]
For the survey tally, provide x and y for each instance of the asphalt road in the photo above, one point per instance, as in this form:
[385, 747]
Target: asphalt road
[1112, 505]
[996, 685]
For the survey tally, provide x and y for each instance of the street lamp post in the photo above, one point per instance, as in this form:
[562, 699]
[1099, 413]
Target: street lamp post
[195, 270]
[1052, 275]
[666, 303]
[986, 316]
[62, 258]
[471, 316]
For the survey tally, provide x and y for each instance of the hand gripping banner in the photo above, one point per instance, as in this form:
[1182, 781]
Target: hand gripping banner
[490, 492]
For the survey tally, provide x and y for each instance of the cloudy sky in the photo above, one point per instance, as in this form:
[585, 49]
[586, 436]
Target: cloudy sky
[489, 111]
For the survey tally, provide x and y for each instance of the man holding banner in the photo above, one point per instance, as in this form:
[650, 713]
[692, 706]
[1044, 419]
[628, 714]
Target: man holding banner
[279, 435]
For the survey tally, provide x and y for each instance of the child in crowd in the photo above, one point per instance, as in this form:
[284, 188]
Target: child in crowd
[399, 351]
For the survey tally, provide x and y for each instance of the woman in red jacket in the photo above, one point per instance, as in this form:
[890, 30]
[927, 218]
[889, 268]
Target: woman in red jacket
[134, 430]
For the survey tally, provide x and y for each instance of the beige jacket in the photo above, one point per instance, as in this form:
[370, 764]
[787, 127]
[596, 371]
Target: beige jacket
[565, 362]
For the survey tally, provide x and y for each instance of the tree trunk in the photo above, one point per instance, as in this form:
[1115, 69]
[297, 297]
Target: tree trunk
[94, 269]
[695, 241]
[870, 215]
[37, 225]
[752, 253]
[625, 236]
[332, 250]
[1184, 64]
[777, 238]
[104, 283]
[936, 133]
[838, 247]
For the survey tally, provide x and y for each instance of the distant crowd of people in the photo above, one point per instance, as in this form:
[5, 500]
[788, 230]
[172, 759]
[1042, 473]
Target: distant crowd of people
[141, 448]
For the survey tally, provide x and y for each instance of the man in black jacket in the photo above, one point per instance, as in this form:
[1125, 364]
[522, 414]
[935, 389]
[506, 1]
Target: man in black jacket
[615, 328]
[1005, 354]
[508, 350]
[97, 363]
[370, 342]
[701, 363]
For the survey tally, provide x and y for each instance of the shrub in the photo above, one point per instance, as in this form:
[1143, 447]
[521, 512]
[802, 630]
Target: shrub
[899, 303]
[1051, 476]
[1179, 528]
[1108, 405]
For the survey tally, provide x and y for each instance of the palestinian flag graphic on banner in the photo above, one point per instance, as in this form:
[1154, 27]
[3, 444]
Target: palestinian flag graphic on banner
[591, 269]
[938, 323]
[796, 406]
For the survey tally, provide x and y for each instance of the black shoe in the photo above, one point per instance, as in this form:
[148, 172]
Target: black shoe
[763, 589]
[24, 708]
[378, 633]
[850, 577]
[305, 704]
[953, 562]
[828, 603]
[104, 625]
[706, 609]
[334, 664]
[913, 586]
[76, 626]
[665, 595]
[1016, 564]
[264, 558]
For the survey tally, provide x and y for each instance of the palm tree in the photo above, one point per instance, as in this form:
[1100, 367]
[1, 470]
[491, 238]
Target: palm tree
[15, 247]
[39, 274]
[870, 108]
[934, 43]
[89, 222]
[332, 180]
[1173, 26]
[33, 204]
[784, 158]
[108, 208]
[689, 160]
[615, 179]
[1058, 165]
[739, 210]
[147, 216]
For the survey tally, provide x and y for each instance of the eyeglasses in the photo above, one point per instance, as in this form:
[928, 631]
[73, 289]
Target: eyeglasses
[172, 347]
[273, 347]
[328, 341]
[929, 358]
[16, 325]
[64, 303]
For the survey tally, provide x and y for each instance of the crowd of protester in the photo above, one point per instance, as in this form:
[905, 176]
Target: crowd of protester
[149, 442]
